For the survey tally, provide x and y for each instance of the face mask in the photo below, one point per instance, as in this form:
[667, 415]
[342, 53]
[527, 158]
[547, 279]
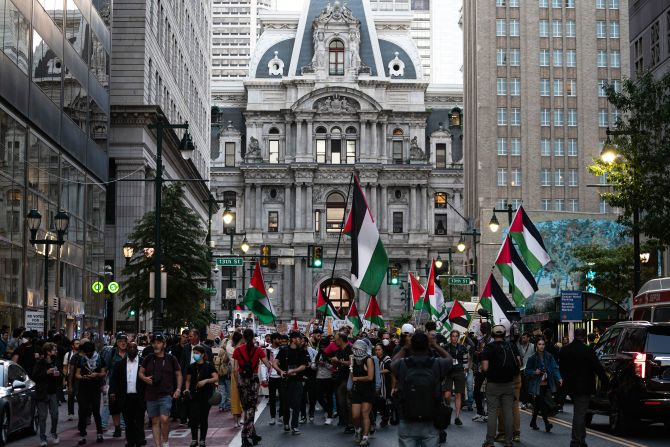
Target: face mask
[197, 357]
[386, 342]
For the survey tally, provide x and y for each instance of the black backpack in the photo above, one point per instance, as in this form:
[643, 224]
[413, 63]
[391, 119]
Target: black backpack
[420, 390]
[246, 370]
[506, 360]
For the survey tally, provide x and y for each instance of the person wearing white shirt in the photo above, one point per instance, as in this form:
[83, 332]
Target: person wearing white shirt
[273, 379]
[127, 389]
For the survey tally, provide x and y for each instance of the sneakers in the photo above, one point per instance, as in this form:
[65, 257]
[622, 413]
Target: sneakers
[193, 443]
[70, 417]
[255, 440]
[349, 430]
[55, 440]
[364, 441]
[99, 439]
[516, 438]
[500, 437]
[286, 427]
[311, 419]
[166, 444]
[273, 421]
[303, 419]
[458, 421]
[478, 418]
[82, 440]
[328, 421]
[296, 432]
[117, 432]
[359, 435]
[43, 444]
[203, 444]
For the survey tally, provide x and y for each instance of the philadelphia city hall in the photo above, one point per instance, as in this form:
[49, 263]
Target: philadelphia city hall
[333, 91]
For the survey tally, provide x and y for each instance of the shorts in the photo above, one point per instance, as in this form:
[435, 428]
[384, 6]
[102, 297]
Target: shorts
[160, 407]
[455, 381]
[363, 394]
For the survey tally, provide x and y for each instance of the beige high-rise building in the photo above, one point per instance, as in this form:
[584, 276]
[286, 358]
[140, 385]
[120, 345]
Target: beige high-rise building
[535, 111]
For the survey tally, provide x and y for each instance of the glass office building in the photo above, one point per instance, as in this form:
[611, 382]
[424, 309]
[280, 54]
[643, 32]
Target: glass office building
[54, 118]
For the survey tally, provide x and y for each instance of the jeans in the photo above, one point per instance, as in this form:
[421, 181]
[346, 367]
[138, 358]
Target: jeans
[274, 388]
[478, 394]
[500, 395]
[417, 434]
[292, 392]
[580, 404]
[44, 407]
[224, 389]
[469, 388]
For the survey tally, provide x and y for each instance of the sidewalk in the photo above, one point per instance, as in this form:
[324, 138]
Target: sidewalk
[221, 432]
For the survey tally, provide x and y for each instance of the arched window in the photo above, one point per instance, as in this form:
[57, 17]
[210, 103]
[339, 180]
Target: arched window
[398, 146]
[336, 58]
[320, 144]
[335, 205]
[274, 131]
[339, 292]
[273, 145]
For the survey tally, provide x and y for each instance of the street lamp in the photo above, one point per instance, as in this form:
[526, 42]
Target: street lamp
[494, 225]
[128, 251]
[608, 154]
[227, 215]
[61, 223]
[271, 289]
[438, 262]
[245, 245]
[461, 245]
[644, 257]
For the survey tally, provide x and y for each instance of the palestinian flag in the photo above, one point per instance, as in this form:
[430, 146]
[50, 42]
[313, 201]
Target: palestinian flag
[256, 299]
[416, 291]
[515, 271]
[295, 327]
[433, 295]
[374, 314]
[459, 317]
[529, 241]
[354, 319]
[369, 260]
[325, 306]
[495, 301]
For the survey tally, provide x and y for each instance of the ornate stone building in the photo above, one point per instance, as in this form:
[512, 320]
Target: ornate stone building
[331, 93]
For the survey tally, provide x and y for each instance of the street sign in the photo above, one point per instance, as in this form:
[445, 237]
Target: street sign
[113, 287]
[459, 280]
[210, 290]
[230, 262]
[571, 306]
[97, 287]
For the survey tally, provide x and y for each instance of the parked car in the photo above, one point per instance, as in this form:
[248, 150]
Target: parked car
[636, 358]
[18, 410]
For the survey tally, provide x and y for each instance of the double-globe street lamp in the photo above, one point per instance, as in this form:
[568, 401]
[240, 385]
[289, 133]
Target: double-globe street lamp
[61, 223]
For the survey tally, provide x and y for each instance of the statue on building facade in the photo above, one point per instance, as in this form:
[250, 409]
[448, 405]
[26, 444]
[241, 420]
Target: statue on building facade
[415, 152]
[253, 150]
[335, 104]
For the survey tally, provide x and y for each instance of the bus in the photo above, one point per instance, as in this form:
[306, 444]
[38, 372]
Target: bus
[652, 302]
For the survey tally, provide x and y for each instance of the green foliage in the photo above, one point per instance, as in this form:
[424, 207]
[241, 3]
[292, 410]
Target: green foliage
[184, 257]
[613, 267]
[639, 175]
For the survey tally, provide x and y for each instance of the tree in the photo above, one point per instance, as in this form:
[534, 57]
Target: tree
[638, 177]
[184, 256]
[613, 268]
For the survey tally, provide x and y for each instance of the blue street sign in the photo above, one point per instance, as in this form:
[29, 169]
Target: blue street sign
[571, 306]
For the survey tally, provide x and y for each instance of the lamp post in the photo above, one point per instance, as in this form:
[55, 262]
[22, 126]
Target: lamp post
[494, 225]
[461, 248]
[61, 223]
[186, 145]
[128, 253]
[439, 264]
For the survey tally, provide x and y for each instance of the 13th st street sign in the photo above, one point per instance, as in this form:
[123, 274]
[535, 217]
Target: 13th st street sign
[459, 281]
[230, 262]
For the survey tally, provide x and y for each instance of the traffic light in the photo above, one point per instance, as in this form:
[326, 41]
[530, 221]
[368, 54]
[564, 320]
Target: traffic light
[315, 256]
[392, 276]
[131, 313]
[265, 255]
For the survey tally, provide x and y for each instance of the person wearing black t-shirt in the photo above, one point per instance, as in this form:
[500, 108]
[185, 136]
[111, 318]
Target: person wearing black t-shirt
[291, 361]
[90, 372]
[48, 378]
[201, 378]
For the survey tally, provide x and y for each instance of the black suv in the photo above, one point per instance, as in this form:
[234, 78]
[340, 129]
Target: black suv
[636, 358]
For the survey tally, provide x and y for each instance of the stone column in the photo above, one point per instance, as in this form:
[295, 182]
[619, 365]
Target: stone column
[287, 208]
[385, 142]
[310, 211]
[365, 149]
[308, 300]
[259, 208]
[426, 214]
[412, 207]
[247, 206]
[310, 138]
[373, 202]
[297, 287]
[289, 152]
[384, 208]
[374, 131]
[298, 139]
[298, 207]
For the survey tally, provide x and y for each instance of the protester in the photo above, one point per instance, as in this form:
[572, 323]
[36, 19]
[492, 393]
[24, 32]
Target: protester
[526, 350]
[111, 358]
[28, 352]
[578, 367]
[485, 339]
[248, 356]
[362, 391]
[236, 340]
[162, 374]
[69, 361]
[291, 362]
[90, 373]
[201, 378]
[324, 381]
[272, 378]
[456, 377]
[48, 379]
[222, 367]
[543, 378]
[127, 391]
[500, 363]
[418, 407]
[309, 377]
[342, 361]
[382, 401]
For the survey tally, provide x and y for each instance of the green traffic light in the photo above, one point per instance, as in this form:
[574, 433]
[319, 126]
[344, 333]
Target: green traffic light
[394, 281]
[131, 313]
[317, 263]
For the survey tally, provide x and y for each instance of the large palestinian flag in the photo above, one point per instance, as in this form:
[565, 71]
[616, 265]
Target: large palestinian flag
[515, 272]
[433, 295]
[256, 298]
[369, 261]
[325, 306]
[416, 291]
[354, 319]
[495, 301]
[529, 241]
[374, 314]
[459, 317]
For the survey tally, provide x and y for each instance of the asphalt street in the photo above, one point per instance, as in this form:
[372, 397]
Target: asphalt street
[471, 434]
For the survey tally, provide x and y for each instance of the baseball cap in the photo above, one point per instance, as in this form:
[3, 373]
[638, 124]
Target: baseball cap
[498, 330]
[157, 337]
[122, 336]
[407, 329]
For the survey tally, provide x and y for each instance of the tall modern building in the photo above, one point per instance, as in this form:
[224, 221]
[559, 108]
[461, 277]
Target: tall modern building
[536, 113]
[54, 121]
[160, 70]
[334, 90]
[235, 31]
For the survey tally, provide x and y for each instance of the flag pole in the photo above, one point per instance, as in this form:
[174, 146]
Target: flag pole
[337, 249]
